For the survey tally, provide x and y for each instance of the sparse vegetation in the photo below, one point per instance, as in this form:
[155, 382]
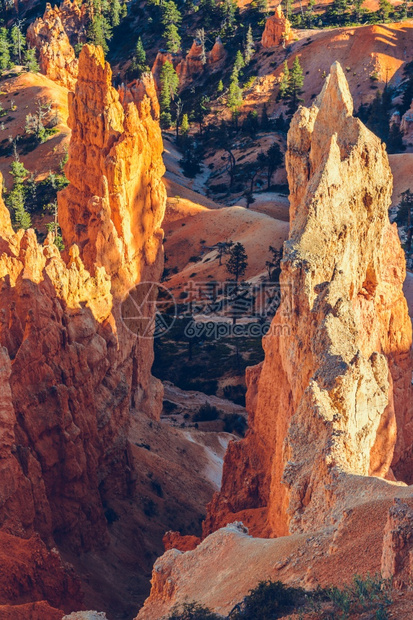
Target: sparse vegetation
[206, 413]
[271, 600]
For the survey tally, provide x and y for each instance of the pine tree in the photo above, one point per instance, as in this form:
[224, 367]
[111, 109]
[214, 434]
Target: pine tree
[169, 88]
[282, 93]
[99, 32]
[185, 125]
[238, 261]
[4, 50]
[249, 46]
[172, 38]
[15, 199]
[385, 8]
[170, 13]
[295, 85]
[239, 62]
[220, 87]
[234, 100]
[30, 60]
[18, 43]
[139, 64]
[115, 12]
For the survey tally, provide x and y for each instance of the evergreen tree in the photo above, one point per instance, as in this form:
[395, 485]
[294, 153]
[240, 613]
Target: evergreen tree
[185, 125]
[239, 62]
[169, 88]
[4, 49]
[295, 85]
[18, 43]
[139, 64]
[115, 12]
[378, 117]
[229, 10]
[170, 13]
[201, 110]
[234, 100]
[271, 160]
[172, 38]
[15, 199]
[249, 46]
[282, 93]
[99, 32]
[30, 60]
[238, 261]
[385, 8]
[220, 87]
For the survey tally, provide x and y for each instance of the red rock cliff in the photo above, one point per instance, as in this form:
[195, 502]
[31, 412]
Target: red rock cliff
[332, 402]
[70, 370]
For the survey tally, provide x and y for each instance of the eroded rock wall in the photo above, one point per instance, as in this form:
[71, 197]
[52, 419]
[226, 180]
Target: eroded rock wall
[53, 36]
[70, 370]
[332, 403]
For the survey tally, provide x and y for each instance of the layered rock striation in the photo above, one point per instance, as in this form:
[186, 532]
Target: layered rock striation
[331, 405]
[70, 370]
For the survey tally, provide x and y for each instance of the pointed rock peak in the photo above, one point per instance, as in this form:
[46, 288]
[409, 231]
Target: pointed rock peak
[91, 55]
[336, 96]
[279, 12]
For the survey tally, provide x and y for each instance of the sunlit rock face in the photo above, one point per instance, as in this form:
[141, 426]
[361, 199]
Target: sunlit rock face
[70, 371]
[277, 30]
[332, 402]
[51, 35]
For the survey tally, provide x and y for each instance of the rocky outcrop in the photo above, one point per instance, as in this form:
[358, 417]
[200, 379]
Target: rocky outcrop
[192, 66]
[137, 90]
[277, 30]
[397, 558]
[175, 540]
[332, 403]
[70, 369]
[51, 35]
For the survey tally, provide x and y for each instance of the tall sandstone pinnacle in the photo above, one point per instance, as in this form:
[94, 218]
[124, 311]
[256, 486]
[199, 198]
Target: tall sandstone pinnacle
[70, 370]
[331, 405]
[50, 36]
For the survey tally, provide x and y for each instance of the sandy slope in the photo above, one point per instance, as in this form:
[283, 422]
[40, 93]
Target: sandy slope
[360, 50]
[24, 92]
[187, 223]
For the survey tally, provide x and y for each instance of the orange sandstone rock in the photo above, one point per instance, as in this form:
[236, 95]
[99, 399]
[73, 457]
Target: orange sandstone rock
[175, 540]
[56, 54]
[69, 369]
[397, 558]
[277, 30]
[332, 402]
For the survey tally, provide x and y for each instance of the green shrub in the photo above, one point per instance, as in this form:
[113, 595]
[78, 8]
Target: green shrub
[193, 611]
[206, 413]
